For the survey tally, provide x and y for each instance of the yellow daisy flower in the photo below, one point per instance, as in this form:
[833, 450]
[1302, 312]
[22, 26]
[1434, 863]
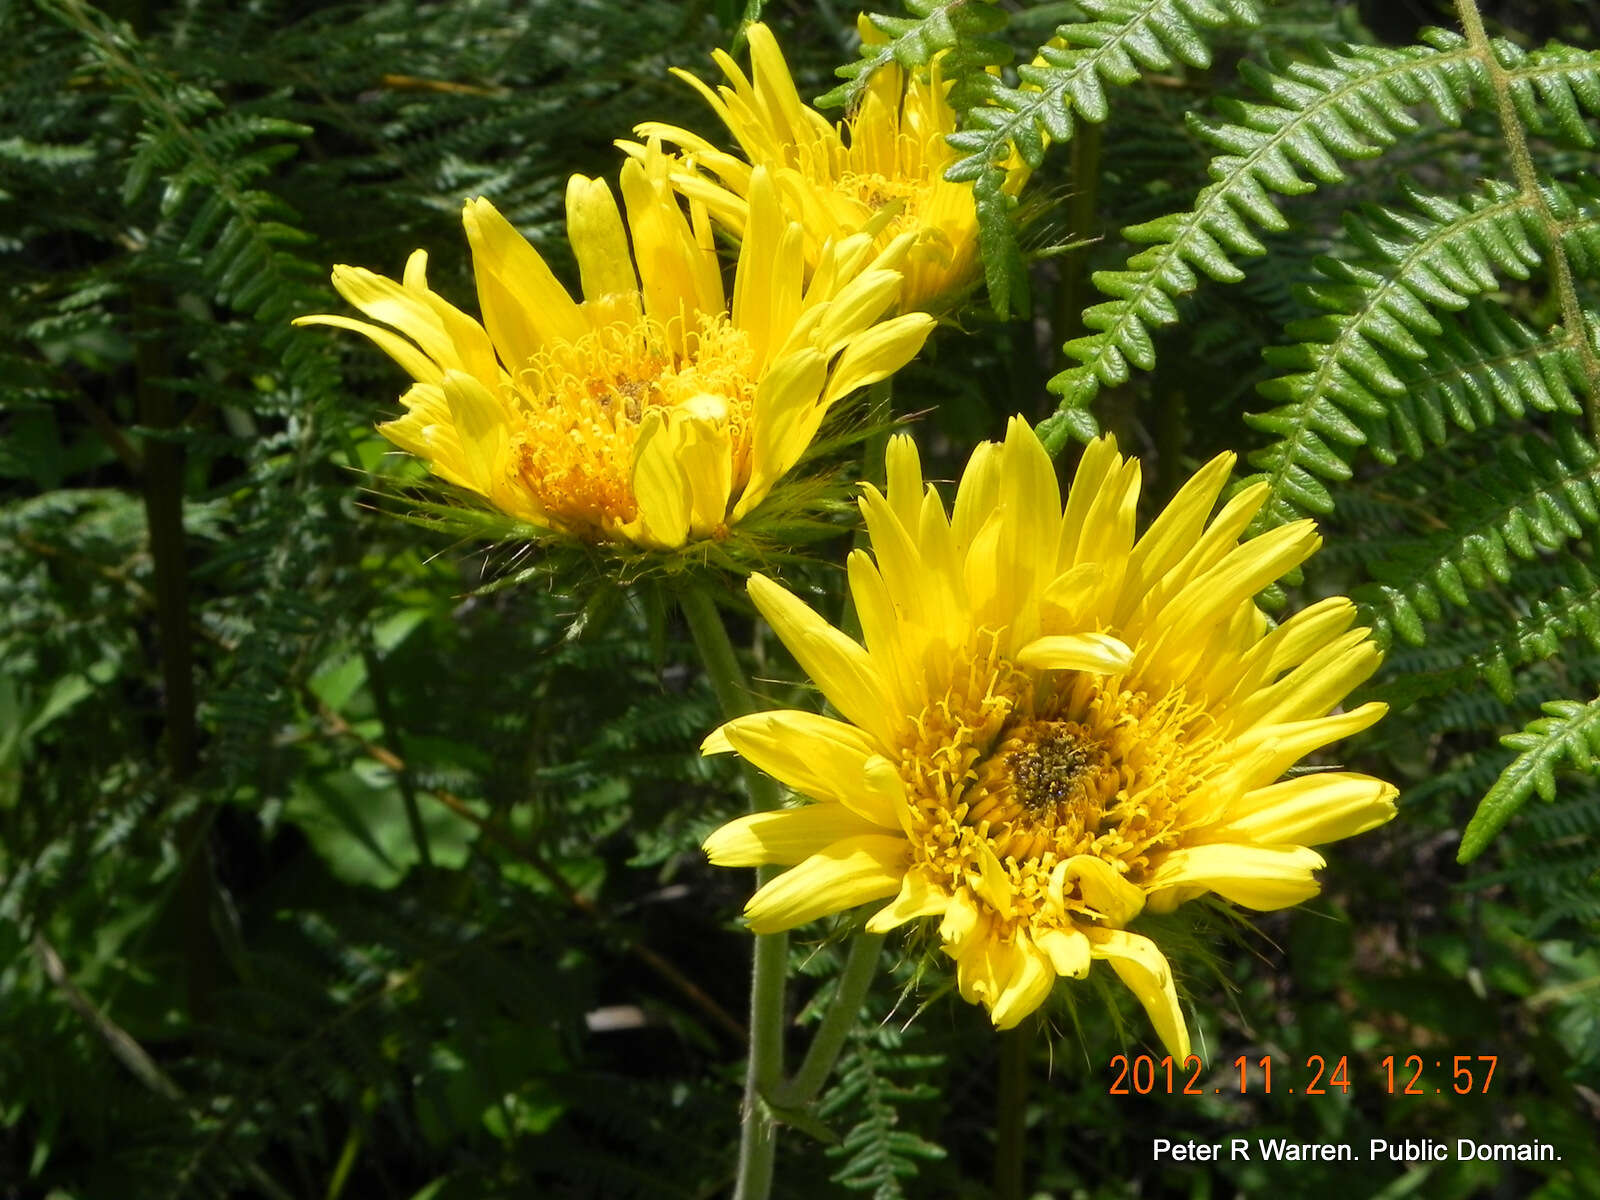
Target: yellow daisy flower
[1053, 726]
[890, 152]
[652, 411]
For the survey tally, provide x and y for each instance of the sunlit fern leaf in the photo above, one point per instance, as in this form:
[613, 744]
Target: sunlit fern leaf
[1336, 104]
[1121, 41]
[1351, 378]
[1568, 736]
[1536, 616]
[959, 28]
[1545, 626]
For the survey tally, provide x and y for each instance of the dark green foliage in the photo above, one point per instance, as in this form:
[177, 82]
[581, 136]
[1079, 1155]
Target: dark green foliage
[421, 911]
[1527, 496]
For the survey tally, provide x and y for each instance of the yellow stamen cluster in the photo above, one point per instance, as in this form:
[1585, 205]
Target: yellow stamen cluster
[583, 402]
[1030, 783]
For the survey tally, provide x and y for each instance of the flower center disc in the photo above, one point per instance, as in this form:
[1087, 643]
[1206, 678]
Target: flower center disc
[582, 403]
[1082, 771]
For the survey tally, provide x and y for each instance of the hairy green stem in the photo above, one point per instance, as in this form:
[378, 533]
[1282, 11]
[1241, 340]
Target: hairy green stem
[1011, 1111]
[758, 1144]
[1561, 278]
[859, 967]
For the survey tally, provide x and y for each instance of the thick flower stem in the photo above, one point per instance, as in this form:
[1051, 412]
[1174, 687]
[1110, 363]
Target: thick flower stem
[1011, 1115]
[758, 1137]
[859, 968]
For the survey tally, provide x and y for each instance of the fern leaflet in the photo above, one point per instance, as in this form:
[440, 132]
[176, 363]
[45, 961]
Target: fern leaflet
[1567, 736]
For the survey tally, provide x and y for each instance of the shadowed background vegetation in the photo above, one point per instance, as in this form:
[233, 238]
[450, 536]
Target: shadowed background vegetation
[327, 871]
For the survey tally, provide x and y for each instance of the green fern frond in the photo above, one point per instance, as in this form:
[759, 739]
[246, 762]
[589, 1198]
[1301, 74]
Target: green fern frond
[1286, 146]
[1347, 382]
[1350, 103]
[1547, 623]
[1532, 494]
[878, 1154]
[958, 27]
[1121, 40]
[1535, 617]
[1564, 819]
[1567, 736]
[1485, 363]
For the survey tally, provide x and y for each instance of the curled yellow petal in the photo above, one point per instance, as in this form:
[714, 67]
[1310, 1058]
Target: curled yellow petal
[1140, 965]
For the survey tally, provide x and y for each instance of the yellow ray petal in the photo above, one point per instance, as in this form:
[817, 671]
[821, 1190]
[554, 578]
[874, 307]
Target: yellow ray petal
[1074, 590]
[426, 430]
[819, 757]
[1290, 643]
[845, 874]
[1102, 888]
[978, 495]
[784, 837]
[702, 447]
[1029, 985]
[903, 472]
[1099, 653]
[1288, 743]
[880, 629]
[840, 667]
[660, 487]
[480, 422]
[855, 307]
[783, 419]
[1143, 968]
[990, 883]
[918, 897]
[1068, 950]
[523, 304]
[961, 919]
[761, 267]
[1307, 811]
[878, 353]
[415, 363]
[987, 965]
[1259, 877]
[1239, 576]
[1100, 464]
[599, 242]
[1172, 534]
[678, 278]
[406, 310]
[1317, 684]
